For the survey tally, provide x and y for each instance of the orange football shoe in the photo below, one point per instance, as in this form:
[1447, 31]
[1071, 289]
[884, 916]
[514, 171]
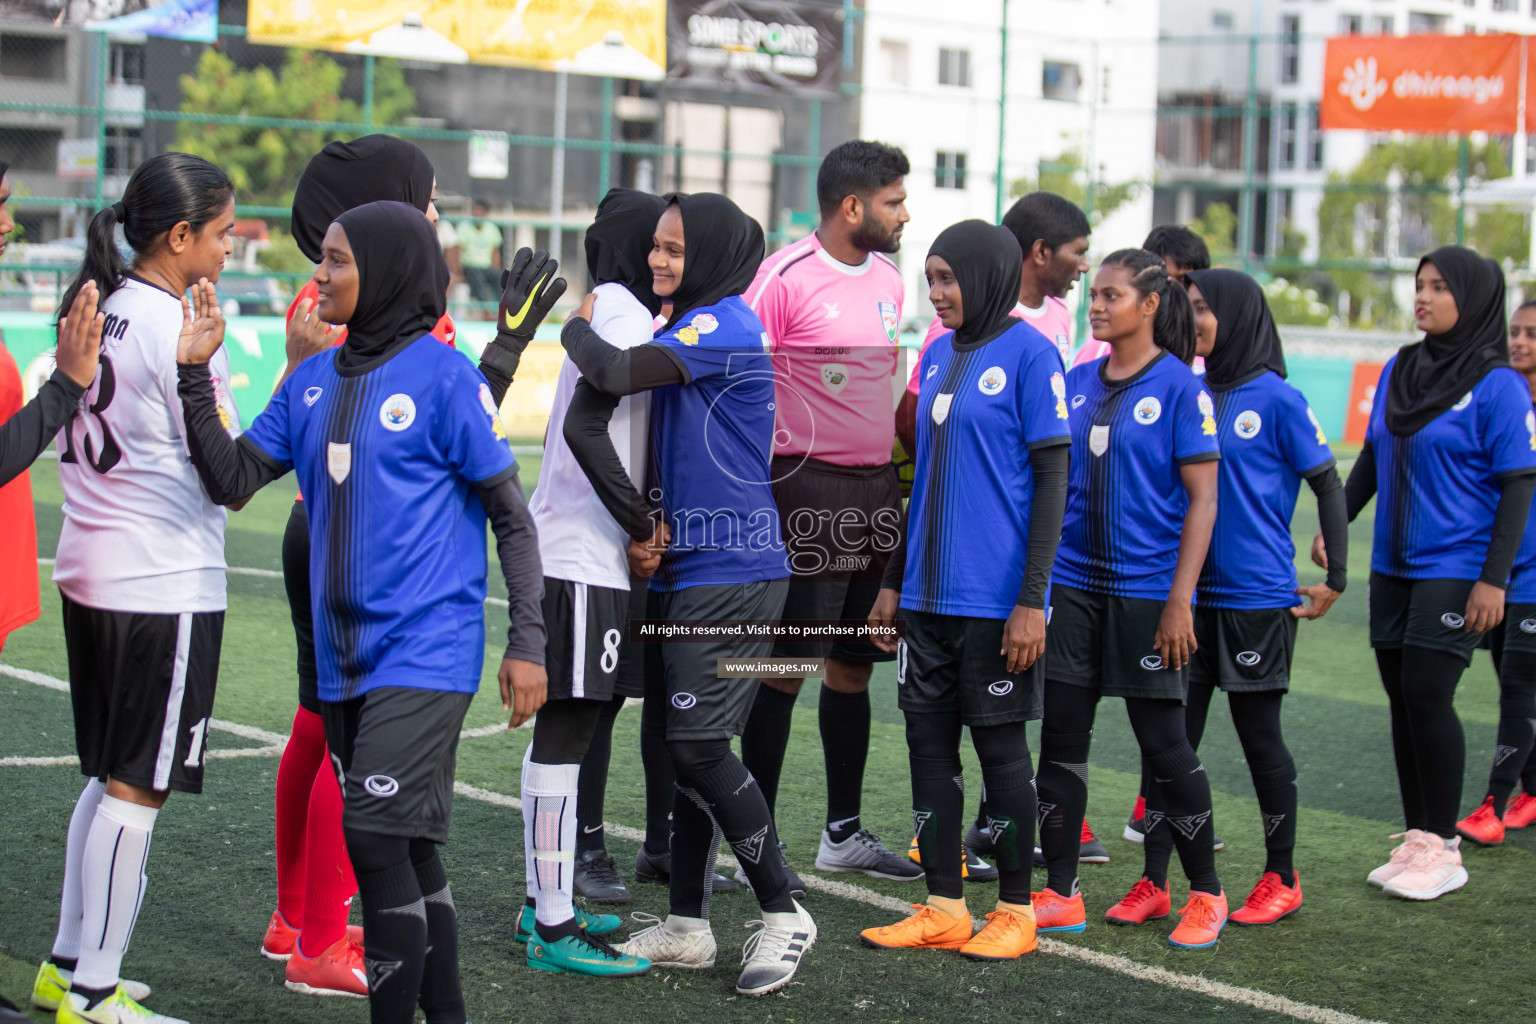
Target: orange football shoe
[1200, 922]
[1057, 913]
[1482, 826]
[1145, 902]
[926, 928]
[1007, 935]
[281, 938]
[1520, 812]
[339, 971]
[1270, 900]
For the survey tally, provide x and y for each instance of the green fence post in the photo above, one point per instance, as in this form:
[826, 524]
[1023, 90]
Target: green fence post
[368, 91]
[605, 167]
[815, 148]
[1463, 156]
[1250, 142]
[103, 57]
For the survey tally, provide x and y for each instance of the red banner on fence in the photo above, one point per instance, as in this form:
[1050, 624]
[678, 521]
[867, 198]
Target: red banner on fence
[1362, 396]
[1427, 84]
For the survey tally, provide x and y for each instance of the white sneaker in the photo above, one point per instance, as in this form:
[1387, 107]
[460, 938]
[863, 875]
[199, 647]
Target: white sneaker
[669, 944]
[772, 955]
[1412, 842]
[1434, 872]
[117, 1008]
[863, 851]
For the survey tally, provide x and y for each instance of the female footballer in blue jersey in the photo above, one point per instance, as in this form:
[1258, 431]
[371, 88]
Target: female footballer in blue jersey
[970, 580]
[1450, 456]
[1246, 605]
[1141, 502]
[711, 437]
[1513, 646]
[402, 458]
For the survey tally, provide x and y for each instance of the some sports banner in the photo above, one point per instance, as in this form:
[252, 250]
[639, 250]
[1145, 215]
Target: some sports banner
[1427, 84]
[621, 38]
[755, 44]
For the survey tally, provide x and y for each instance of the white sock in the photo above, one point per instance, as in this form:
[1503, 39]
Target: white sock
[530, 880]
[549, 836]
[66, 943]
[112, 885]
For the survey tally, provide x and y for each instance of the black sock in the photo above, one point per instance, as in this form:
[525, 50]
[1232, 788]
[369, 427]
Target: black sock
[844, 722]
[937, 794]
[1157, 846]
[93, 996]
[592, 782]
[1276, 790]
[63, 963]
[695, 840]
[442, 994]
[1063, 785]
[1011, 808]
[1439, 745]
[766, 738]
[660, 781]
[736, 803]
[394, 927]
[1180, 778]
[1517, 726]
[981, 807]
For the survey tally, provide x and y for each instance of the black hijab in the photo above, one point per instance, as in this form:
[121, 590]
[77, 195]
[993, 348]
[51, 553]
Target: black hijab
[619, 243]
[722, 247]
[402, 281]
[345, 175]
[1247, 343]
[3, 168]
[987, 263]
[1431, 375]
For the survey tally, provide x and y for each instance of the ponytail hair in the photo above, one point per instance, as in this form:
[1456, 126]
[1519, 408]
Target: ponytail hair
[1173, 328]
[163, 191]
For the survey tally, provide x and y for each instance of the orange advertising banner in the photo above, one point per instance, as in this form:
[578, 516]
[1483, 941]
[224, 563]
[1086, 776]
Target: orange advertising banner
[1362, 396]
[1427, 84]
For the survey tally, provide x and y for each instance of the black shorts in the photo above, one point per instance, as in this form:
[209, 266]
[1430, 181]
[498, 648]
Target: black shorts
[296, 582]
[701, 705]
[631, 678]
[1420, 613]
[840, 526]
[588, 629]
[1243, 650]
[394, 750]
[1104, 643]
[1516, 634]
[142, 688]
[953, 662]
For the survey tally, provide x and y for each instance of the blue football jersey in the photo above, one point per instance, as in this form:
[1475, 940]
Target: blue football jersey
[1437, 489]
[1270, 440]
[711, 446]
[388, 461]
[1125, 499]
[980, 412]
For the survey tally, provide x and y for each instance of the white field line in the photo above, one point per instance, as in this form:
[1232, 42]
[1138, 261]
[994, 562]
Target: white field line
[274, 574]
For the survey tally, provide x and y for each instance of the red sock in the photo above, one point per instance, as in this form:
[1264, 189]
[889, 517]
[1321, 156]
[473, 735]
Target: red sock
[303, 756]
[329, 882]
[1140, 810]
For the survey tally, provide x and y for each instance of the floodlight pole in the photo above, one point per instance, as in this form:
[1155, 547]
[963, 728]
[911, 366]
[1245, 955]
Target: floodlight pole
[557, 167]
[1002, 118]
[1250, 141]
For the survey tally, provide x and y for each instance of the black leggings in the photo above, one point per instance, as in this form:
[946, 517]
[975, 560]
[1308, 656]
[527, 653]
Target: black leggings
[562, 730]
[1180, 798]
[1427, 740]
[1512, 759]
[933, 746]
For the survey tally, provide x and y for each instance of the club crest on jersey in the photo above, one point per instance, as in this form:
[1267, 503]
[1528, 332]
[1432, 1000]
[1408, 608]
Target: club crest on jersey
[338, 460]
[1207, 414]
[704, 323]
[834, 376]
[1098, 439]
[1247, 424]
[1148, 410]
[1059, 389]
[1322, 438]
[1462, 402]
[993, 380]
[397, 412]
[221, 402]
[888, 318]
[489, 405]
[312, 395]
[941, 407]
[688, 335]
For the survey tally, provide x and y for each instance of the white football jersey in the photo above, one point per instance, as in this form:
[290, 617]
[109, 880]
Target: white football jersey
[140, 534]
[578, 540]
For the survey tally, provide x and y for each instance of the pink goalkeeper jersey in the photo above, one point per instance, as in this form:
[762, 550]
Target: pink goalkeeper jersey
[1050, 319]
[832, 329]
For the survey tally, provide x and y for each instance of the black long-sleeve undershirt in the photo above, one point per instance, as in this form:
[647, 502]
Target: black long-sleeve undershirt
[1046, 513]
[1361, 486]
[24, 436]
[499, 362]
[517, 548]
[620, 371]
[231, 470]
[586, 432]
[1333, 521]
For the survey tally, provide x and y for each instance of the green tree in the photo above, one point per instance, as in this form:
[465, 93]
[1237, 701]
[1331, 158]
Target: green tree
[1218, 227]
[1067, 177]
[265, 162]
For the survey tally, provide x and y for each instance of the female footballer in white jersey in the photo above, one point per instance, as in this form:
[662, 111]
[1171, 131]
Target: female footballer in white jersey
[141, 571]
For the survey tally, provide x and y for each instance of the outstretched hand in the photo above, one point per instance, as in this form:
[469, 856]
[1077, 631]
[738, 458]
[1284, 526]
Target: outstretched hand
[202, 327]
[529, 290]
[80, 336]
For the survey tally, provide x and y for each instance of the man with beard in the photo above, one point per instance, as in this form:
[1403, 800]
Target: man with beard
[832, 307]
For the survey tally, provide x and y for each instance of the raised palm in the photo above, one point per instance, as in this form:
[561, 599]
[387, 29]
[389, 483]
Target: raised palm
[202, 328]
